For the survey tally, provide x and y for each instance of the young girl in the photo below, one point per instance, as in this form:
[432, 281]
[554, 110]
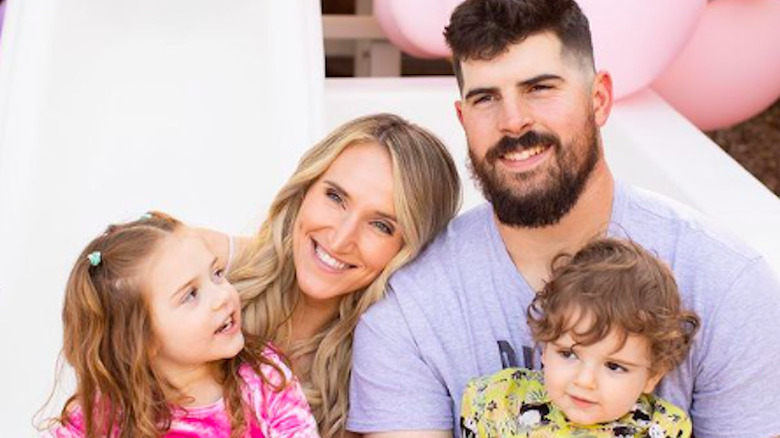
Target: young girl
[153, 332]
[611, 325]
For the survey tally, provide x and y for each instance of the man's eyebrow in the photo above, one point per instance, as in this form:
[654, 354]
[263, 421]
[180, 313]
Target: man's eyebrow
[540, 78]
[478, 91]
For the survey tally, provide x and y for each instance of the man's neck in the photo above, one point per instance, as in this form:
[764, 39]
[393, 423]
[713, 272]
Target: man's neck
[532, 249]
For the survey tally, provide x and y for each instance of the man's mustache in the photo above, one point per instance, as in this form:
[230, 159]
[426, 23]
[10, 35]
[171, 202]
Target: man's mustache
[516, 144]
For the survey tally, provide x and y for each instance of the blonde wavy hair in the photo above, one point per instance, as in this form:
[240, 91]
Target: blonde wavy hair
[427, 195]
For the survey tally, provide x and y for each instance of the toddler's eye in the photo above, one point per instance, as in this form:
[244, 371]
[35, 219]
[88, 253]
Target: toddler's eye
[191, 295]
[567, 353]
[612, 366]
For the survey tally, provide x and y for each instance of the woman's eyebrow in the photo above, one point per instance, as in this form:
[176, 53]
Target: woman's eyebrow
[345, 194]
[337, 187]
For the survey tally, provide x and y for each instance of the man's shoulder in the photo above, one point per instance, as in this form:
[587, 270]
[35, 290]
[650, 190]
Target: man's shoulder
[467, 233]
[677, 231]
[465, 237]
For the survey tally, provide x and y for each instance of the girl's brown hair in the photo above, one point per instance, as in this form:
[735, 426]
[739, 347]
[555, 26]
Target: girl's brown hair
[108, 337]
[619, 286]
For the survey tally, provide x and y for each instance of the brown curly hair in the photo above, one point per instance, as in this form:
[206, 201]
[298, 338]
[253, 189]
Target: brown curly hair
[622, 287]
[108, 334]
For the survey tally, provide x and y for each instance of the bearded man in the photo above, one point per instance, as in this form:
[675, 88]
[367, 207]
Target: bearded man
[532, 105]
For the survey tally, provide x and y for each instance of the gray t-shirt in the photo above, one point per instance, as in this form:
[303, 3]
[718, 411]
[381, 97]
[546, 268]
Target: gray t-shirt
[458, 312]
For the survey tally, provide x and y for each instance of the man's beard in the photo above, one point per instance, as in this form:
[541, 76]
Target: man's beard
[558, 192]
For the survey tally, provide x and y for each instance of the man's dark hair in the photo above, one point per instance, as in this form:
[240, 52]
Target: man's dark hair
[484, 29]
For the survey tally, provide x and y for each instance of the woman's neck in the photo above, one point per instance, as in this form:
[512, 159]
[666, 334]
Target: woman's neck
[311, 316]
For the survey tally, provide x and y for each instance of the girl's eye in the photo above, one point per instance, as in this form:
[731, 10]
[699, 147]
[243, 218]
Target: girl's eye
[218, 276]
[384, 228]
[612, 366]
[191, 295]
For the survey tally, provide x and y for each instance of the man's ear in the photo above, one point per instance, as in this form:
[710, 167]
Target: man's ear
[602, 98]
[459, 111]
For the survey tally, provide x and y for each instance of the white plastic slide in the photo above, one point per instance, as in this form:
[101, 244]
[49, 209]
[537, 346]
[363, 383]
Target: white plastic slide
[109, 108]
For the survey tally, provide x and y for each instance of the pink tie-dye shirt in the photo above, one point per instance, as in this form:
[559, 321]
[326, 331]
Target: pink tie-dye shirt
[279, 414]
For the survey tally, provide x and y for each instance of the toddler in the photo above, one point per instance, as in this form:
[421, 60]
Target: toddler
[610, 324]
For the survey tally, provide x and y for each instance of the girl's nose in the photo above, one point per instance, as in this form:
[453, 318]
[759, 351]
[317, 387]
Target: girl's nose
[221, 294]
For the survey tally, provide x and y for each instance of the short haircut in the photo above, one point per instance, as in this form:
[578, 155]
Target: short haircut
[484, 29]
[622, 287]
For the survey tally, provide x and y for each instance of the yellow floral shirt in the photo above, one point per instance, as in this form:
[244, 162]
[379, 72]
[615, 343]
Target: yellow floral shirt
[514, 403]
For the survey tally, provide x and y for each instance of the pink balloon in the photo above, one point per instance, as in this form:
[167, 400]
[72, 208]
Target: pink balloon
[416, 26]
[730, 70]
[635, 40]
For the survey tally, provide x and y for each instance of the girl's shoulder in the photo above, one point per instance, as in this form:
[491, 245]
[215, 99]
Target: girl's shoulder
[274, 369]
[72, 426]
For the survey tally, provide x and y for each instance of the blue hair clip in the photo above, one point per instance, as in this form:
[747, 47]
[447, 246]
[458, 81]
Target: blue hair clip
[145, 216]
[94, 258]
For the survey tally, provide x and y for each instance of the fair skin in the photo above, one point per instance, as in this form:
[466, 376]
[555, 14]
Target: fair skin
[196, 316]
[599, 382]
[535, 86]
[345, 233]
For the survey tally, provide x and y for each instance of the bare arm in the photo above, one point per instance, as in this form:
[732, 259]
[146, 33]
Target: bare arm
[219, 244]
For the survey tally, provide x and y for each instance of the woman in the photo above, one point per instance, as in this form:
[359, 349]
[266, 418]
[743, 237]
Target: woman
[361, 204]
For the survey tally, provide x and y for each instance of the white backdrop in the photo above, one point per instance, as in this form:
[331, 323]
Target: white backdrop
[201, 108]
[109, 108]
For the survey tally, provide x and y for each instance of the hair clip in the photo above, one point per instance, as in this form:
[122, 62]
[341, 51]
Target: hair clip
[94, 258]
[145, 216]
